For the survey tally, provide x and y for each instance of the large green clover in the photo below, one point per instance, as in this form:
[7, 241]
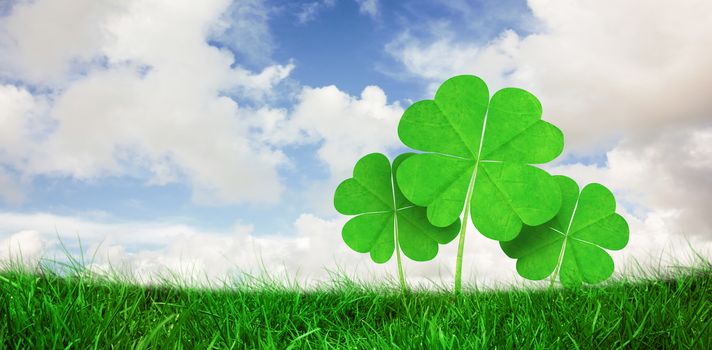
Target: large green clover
[478, 151]
[385, 216]
[478, 155]
[572, 243]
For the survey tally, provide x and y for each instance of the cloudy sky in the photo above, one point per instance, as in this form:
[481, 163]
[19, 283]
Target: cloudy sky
[207, 137]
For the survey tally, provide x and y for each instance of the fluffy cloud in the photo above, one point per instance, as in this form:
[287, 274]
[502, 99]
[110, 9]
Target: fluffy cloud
[150, 251]
[368, 7]
[22, 120]
[446, 57]
[310, 10]
[621, 74]
[153, 101]
[244, 29]
[135, 88]
[347, 127]
[308, 254]
[634, 87]
[669, 175]
[42, 41]
[27, 247]
[343, 128]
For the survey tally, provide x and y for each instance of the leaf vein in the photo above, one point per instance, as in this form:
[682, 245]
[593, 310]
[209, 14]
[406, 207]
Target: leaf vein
[513, 137]
[457, 131]
[390, 205]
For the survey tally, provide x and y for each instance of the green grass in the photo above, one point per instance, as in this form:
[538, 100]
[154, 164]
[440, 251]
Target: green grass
[41, 309]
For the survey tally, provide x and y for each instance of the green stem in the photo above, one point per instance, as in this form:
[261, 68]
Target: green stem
[558, 264]
[401, 276]
[463, 229]
[468, 199]
[460, 249]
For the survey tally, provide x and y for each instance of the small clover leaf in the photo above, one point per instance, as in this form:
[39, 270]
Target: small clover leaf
[384, 215]
[478, 151]
[572, 243]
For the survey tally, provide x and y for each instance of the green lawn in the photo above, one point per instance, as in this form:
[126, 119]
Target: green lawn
[41, 310]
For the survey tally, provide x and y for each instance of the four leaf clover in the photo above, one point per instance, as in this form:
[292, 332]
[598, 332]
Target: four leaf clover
[384, 214]
[478, 151]
[572, 243]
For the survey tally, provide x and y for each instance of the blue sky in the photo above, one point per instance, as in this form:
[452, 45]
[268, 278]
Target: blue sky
[152, 125]
[343, 47]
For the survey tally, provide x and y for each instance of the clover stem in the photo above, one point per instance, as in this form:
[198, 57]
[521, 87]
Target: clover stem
[460, 248]
[463, 229]
[401, 277]
[558, 264]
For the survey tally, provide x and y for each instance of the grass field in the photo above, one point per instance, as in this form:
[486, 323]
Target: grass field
[44, 310]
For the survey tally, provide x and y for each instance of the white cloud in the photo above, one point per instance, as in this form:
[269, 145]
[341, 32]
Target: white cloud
[347, 127]
[343, 127]
[156, 105]
[244, 29]
[621, 74]
[150, 250]
[22, 119]
[153, 100]
[668, 175]
[310, 10]
[25, 246]
[445, 57]
[41, 39]
[368, 7]
[633, 86]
